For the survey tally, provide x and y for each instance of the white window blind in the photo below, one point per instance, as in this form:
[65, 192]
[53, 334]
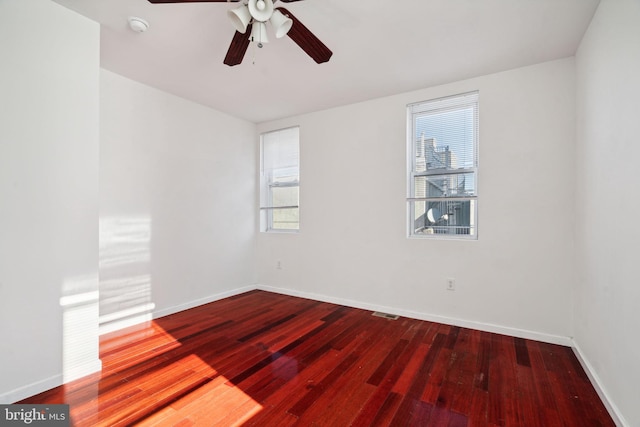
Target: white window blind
[443, 167]
[279, 178]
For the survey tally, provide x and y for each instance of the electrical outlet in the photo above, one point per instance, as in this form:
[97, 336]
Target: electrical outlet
[279, 265]
[451, 284]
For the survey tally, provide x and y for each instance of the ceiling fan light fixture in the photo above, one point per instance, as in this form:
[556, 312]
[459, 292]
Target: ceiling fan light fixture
[259, 33]
[261, 10]
[251, 27]
[281, 24]
[240, 18]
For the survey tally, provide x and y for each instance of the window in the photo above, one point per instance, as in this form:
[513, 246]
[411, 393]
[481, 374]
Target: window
[443, 167]
[279, 180]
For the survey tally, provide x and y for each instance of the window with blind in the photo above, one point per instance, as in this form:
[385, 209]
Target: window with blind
[443, 167]
[279, 180]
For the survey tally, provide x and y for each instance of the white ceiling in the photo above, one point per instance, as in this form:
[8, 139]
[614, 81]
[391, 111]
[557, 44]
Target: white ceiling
[379, 48]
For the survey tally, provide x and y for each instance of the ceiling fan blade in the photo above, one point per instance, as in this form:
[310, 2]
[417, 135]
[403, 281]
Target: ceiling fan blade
[289, 1]
[304, 38]
[192, 1]
[238, 47]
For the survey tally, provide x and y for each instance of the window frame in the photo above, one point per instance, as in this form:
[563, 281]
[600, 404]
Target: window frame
[434, 106]
[267, 185]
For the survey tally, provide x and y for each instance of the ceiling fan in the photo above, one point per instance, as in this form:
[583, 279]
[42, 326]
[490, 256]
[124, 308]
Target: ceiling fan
[250, 22]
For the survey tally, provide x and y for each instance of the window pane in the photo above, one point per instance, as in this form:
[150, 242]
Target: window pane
[280, 149]
[284, 196]
[445, 140]
[455, 217]
[279, 180]
[442, 165]
[285, 219]
[451, 185]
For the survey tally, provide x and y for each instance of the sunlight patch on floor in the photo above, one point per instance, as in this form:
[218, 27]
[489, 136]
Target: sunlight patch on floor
[216, 403]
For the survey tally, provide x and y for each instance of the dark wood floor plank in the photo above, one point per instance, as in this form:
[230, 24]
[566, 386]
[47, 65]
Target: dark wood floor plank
[412, 403]
[415, 356]
[384, 416]
[478, 411]
[483, 358]
[386, 364]
[441, 374]
[332, 409]
[457, 420]
[266, 359]
[528, 411]
[511, 393]
[522, 353]
[282, 398]
[546, 402]
[309, 375]
[324, 405]
[380, 399]
[497, 384]
[292, 364]
[464, 373]
[323, 386]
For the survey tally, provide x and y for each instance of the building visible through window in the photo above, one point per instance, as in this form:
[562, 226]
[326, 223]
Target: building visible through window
[443, 165]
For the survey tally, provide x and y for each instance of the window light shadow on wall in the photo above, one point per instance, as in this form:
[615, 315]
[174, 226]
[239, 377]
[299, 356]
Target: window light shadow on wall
[125, 278]
[79, 304]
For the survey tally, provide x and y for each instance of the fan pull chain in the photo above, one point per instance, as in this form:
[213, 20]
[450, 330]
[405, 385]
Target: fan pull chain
[253, 53]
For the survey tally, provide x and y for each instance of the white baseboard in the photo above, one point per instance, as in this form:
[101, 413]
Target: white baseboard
[520, 333]
[52, 382]
[40, 386]
[57, 380]
[487, 327]
[600, 389]
[82, 371]
[30, 389]
[147, 316]
[206, 300]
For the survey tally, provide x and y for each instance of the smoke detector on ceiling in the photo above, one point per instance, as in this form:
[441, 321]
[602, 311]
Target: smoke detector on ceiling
[138, 25]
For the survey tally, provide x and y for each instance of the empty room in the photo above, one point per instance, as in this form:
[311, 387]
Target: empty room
[319, 212]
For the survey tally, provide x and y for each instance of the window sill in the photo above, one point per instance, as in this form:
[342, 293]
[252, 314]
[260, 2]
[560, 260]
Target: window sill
[442, 237]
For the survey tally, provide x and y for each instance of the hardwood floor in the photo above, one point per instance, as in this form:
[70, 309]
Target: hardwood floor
[266, 359]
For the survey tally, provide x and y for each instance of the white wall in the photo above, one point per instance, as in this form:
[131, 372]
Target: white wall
[352, 246]
[177, 204]
[607, 318]
[49, 81]
[177, 212]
